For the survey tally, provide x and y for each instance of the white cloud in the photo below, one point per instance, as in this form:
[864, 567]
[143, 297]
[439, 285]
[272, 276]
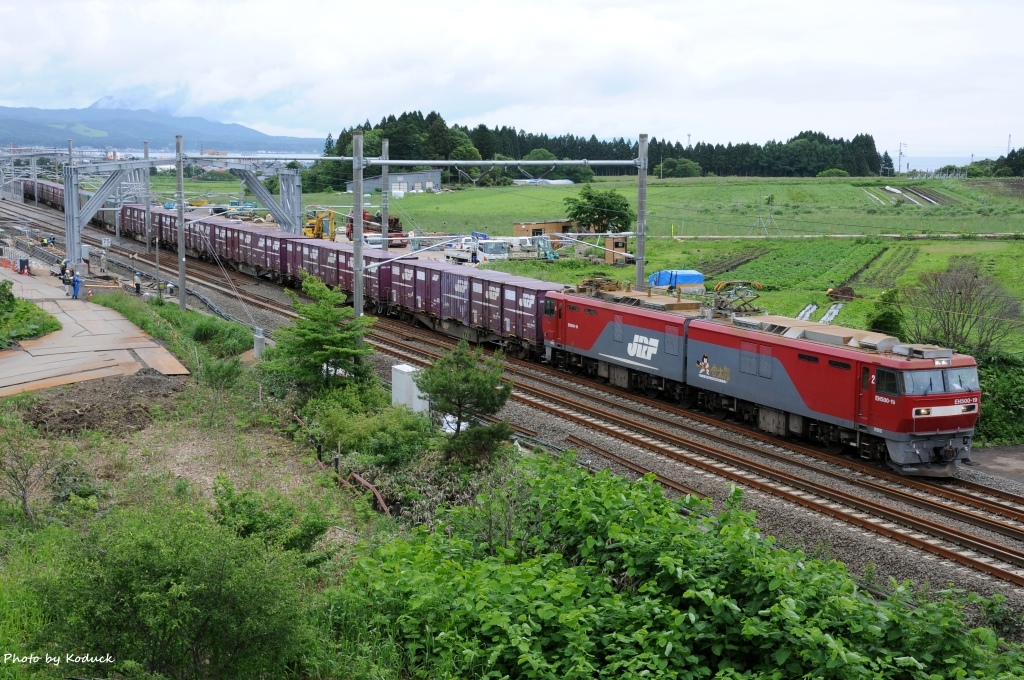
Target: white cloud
[937, 75]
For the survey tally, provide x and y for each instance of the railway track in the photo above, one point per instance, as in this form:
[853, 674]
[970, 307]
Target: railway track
[605, 415]
[670, 437]
[209, 275]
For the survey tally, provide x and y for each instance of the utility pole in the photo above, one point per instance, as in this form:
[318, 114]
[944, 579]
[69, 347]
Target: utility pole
[687, 139]
[35, 183]
[149, 214]
[385, 232]
[357, 223]
[117, 215]
[900, 167]
[72, 224]
[181, 223]
[149, 223]
[1008, 139]
[641, 214]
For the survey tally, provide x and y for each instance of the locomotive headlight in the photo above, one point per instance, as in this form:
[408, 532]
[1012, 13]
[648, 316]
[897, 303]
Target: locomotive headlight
[922, 411]
[968, 408]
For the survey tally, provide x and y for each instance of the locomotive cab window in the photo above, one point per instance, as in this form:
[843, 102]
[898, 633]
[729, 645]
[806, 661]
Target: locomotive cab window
[886, 382]
[962, 379]
[922, 382]
[549, 307]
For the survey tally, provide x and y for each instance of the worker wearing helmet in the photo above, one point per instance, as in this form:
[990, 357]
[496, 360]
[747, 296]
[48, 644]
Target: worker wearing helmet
[138, 283]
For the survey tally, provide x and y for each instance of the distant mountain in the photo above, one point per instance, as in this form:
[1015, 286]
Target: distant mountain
[101, 126]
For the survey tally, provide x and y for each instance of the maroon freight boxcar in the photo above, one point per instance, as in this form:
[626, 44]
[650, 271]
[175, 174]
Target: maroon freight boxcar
[198, 234]
[428, 287]
[283, 251]
[455, 295]
[485, 288]
[522, 304]
[332, 258]
[246, 238]
[403, 283]
[376, 274]
[291, 257]
[311, 257]
[345, 267]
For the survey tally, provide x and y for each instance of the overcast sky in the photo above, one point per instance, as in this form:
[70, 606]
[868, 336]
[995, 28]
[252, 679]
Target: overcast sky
[943, 77]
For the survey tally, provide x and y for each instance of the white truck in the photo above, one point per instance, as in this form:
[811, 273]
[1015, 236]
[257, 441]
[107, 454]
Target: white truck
[473, 249]
[531, 248]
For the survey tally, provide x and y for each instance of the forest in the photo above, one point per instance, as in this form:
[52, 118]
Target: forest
[412, 135]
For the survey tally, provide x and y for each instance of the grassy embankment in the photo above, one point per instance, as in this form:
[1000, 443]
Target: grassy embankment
[543, 566]
[21, 320]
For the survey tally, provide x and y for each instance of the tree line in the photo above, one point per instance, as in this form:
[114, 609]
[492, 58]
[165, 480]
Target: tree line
[414, 135]
[1010, 165]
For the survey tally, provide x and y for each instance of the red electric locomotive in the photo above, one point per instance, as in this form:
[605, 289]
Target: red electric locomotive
[912, 406]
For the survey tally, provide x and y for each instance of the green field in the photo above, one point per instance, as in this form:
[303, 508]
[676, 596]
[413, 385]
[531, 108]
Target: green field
[714, 221]
[706, 206]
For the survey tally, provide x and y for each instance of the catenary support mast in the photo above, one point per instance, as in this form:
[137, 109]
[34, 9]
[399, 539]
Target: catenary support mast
[357, 223]
[180, 198]
[641, 214]
[385, 232]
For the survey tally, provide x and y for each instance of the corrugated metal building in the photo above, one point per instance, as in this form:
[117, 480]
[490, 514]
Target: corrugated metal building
[421, 180]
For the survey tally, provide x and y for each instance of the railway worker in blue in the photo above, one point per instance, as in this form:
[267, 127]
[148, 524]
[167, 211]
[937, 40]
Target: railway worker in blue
[76, 286]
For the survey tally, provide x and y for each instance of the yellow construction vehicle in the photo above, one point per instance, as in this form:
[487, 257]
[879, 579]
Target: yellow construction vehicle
[319, 224]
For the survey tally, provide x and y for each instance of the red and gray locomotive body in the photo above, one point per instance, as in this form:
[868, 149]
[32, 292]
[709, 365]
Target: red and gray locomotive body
[913, 407]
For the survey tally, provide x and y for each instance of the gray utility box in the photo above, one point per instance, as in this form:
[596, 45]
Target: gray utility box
[404, 391]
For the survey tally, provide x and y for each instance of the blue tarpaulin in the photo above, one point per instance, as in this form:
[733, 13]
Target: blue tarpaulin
[676, 277]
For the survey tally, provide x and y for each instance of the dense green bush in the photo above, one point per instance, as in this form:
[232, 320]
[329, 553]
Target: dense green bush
[222, 338]
[886, 315]
[182, 330]
[170, 591]
[20, 319]
[478, 443]
[359, 418]
[604, 578]
[1002, 400]
[268, 516]
[7, 298]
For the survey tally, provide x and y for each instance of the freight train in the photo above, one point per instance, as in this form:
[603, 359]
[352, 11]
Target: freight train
[911, 407]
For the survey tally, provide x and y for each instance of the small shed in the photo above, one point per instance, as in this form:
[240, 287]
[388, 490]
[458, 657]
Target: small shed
[552, 228]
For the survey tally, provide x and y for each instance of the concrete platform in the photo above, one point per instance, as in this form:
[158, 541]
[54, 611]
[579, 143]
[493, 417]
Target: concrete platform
[93, 342]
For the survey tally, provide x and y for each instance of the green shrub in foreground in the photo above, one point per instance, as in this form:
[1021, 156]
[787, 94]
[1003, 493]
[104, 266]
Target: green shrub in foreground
[1002, 396]
[359, 418]
[604, 578]
[197, 340]
[171, 592]
[20, 320]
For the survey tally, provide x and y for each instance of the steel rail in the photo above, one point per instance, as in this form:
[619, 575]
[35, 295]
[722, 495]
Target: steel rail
[874, 516]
